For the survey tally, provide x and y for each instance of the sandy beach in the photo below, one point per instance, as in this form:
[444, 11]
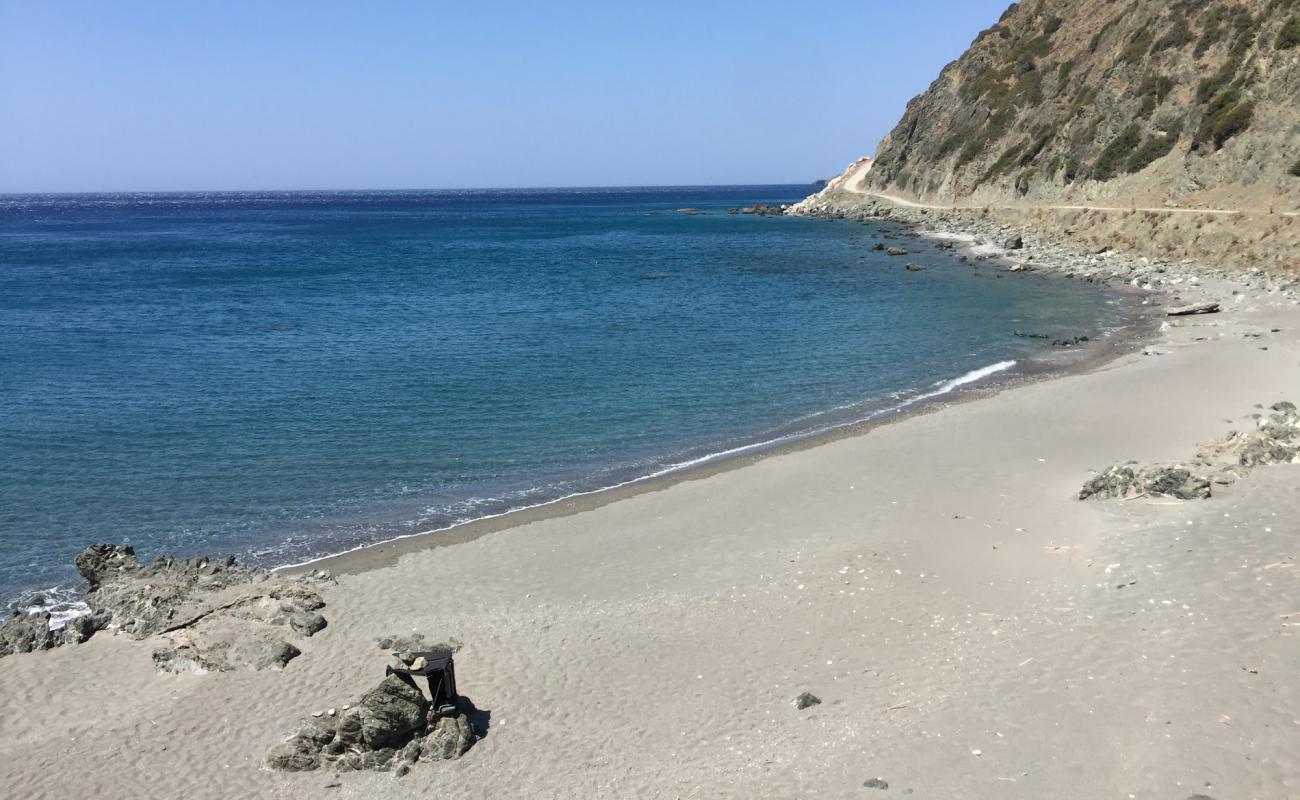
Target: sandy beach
[971, 628]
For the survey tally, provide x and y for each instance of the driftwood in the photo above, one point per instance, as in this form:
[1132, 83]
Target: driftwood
[1187, 311]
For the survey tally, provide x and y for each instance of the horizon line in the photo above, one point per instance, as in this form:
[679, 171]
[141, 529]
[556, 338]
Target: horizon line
[412, 190]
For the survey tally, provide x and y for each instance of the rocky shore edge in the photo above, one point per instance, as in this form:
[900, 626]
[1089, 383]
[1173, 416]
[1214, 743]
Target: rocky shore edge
[1024, 249]
[204, 614]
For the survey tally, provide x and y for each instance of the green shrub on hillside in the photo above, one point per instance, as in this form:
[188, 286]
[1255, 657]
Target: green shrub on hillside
[1295, 169]
[1028, 90]
[1179, 36]
[1116, 154]
[1138, 46]
[1063, 76]
[1024, 179]
[1289, 36]
[1153, 92]
[1219, 21]
[1153, 148]
[1229, 120]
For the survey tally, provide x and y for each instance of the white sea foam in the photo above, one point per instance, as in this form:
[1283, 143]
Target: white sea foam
[62, 603]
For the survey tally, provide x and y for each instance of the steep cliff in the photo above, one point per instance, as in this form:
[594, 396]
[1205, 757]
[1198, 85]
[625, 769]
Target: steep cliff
[1139, 102]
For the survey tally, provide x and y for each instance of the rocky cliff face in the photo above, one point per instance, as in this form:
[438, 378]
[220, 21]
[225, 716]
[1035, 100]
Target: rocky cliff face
[1140, 102]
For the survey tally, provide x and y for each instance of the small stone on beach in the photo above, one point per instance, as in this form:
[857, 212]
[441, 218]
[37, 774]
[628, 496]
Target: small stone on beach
[806, 700]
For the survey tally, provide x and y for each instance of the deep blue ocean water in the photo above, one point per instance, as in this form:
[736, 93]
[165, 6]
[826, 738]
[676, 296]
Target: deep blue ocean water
[290, 374]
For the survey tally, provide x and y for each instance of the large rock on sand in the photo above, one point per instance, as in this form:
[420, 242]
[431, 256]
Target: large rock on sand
[207, 614]
[1124, 481]
[389, 713]
[389, 728]
[24, 633]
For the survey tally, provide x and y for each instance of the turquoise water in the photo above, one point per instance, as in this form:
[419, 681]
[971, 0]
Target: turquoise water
[286, 375]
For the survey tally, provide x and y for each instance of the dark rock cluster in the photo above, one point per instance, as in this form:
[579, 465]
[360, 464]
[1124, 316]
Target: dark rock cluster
[1125, 481]
[390, 728]
[1275, 440]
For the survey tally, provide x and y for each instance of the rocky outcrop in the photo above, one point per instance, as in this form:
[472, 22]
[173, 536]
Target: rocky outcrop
[24, 633]
[391, 727]
[1126, 481]
[205, 614]
[1275, 440]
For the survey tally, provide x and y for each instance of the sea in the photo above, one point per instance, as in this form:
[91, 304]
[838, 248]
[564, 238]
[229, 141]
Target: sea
[285, 375]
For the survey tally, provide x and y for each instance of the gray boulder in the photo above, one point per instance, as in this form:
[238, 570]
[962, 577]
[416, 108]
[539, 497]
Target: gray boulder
[449, 737]
[25, 633]
[1016, 242]
[295, 755]
[1175, 482]
[390, 712]
[1123, 480]
[390, 728]
[806, 700]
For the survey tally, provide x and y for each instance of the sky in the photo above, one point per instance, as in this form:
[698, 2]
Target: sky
[234, 95]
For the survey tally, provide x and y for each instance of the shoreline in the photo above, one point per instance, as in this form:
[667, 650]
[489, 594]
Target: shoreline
[1138, 329]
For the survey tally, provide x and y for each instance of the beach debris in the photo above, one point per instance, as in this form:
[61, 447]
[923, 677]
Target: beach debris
[1187, 311]
[875, 783]
[1123, 480]
[806, 700]
[389, 728]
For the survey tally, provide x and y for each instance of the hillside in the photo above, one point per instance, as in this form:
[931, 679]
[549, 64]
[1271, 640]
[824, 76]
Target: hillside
[1193, 103]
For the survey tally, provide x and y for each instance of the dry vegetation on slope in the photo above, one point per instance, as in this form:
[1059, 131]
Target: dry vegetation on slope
[1189, 102]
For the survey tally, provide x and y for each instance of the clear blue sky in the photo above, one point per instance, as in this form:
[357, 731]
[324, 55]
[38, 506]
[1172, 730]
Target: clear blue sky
[174, 94]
